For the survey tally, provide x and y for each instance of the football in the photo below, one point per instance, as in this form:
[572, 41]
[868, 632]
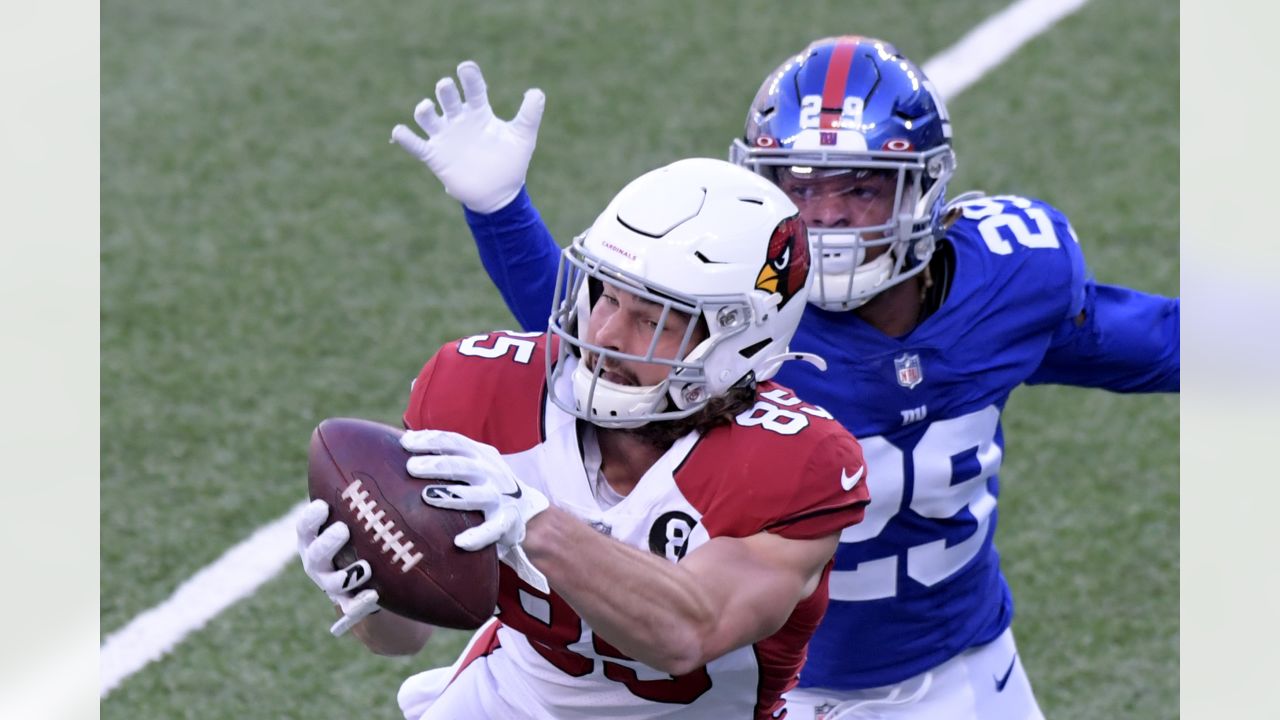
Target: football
[358, 467]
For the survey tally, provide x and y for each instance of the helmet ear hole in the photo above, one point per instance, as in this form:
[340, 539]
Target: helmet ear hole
[571, 327]
[701, 331]
[595, 288]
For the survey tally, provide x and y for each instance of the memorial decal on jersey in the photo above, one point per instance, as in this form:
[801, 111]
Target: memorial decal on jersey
[669, 536]
[909, 372]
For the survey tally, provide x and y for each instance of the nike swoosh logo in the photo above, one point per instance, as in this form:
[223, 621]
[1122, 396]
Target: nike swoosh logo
[1002, 681]
[515, 495]
[353, 576]
[438, 492]
[848, 481]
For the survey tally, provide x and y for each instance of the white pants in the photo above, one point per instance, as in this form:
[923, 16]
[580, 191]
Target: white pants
[473, 689]
[982, 683]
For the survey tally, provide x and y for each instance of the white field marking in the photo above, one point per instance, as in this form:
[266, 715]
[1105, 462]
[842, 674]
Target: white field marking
[232, 577]
[953, 70]
[255, 561]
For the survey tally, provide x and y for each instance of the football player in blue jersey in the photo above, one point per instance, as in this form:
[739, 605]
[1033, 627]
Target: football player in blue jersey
[929, 312]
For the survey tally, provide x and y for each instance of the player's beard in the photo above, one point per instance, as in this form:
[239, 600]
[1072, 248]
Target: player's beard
[719, 410]
[621, 375]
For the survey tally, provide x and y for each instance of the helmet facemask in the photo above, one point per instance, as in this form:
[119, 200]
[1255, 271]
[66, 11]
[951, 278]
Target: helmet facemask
[853, 103]
[684, 391]
[843, 278]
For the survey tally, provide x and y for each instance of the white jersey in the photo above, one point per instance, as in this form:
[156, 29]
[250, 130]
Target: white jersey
[783, 467]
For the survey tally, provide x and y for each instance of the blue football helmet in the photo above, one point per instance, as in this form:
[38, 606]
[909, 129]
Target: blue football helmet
[853, 108]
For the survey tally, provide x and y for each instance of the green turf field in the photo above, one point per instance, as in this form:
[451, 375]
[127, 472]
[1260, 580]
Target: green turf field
[268, 260]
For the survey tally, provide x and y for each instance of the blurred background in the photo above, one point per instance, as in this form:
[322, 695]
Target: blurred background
[269, 260]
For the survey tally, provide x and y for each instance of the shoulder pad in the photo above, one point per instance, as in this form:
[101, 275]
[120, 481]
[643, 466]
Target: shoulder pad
[489, 387]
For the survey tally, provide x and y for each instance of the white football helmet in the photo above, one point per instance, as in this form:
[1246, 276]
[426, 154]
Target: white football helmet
[701, 237]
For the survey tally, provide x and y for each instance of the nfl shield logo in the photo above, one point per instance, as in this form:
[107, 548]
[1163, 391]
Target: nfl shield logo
[827, 138]
[909, 372]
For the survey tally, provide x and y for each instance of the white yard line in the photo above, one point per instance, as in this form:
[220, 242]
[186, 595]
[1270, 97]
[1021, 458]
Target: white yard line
[239, 572]
[953, 70]
[232, 577]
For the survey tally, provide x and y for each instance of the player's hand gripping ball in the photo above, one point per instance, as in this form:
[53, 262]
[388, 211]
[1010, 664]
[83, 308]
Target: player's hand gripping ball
[358, 467]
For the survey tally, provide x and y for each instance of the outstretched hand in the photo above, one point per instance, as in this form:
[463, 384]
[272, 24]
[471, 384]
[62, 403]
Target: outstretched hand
[481, 159]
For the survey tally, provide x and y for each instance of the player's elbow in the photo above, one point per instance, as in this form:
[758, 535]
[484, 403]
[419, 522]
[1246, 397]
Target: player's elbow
[703, 642]
[690, 646]
[390, 635]
[682, 661]
[398, 647]
[694, 654]
[681, 667]
[677, 649]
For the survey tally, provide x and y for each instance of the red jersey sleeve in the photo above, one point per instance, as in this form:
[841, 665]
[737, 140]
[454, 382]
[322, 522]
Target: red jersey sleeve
[830, 492]
[488, 387]
[783, 468]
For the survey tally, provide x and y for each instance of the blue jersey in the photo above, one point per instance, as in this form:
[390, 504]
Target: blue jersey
[919, 580]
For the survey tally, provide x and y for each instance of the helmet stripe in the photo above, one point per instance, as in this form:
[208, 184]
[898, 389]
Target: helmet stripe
[837, 80]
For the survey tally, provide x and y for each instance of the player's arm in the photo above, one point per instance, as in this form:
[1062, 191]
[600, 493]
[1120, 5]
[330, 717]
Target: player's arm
[1103, 336]
[386, 633]
[728, 593]
[521, 257]
[482, 162]
[676, 617]
[1121, 340]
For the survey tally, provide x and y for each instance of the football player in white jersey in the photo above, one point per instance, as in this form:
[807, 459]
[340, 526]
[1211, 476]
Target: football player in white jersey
[930, 310]
[665, 514]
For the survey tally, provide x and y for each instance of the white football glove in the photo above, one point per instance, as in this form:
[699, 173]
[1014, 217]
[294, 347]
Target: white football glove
[317, 553]
[481, 160]
[491, 488]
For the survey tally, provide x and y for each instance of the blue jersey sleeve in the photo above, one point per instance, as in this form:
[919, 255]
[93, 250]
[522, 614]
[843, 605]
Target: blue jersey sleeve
[521, 257]
[1124, 341]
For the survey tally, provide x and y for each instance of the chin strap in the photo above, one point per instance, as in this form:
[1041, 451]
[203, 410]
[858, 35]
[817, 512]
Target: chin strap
[770, 366]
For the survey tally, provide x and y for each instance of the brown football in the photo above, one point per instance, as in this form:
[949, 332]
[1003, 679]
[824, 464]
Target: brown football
[358, 467]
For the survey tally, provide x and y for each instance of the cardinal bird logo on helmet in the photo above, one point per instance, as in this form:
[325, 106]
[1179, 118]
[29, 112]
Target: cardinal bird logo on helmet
[787, 265]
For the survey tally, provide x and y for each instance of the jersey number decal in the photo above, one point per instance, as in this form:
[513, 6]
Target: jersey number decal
[945, 484]
[994, 214]
[512, 344]
[552, 626]
[850, 112]
[773, 414]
